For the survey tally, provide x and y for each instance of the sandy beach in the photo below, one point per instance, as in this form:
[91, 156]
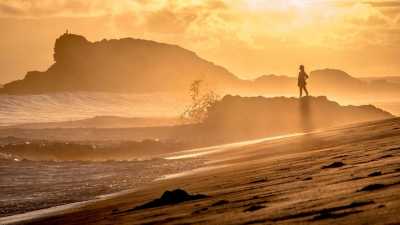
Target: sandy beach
[348, 175]
[211, 112]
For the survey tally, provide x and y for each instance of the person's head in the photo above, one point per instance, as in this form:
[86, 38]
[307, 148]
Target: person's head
[301, 67]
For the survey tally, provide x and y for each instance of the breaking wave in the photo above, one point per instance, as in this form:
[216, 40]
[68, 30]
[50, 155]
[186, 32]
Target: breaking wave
[57, 107]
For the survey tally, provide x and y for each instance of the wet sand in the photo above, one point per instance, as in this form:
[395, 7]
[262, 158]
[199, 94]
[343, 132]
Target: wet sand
[348, 175]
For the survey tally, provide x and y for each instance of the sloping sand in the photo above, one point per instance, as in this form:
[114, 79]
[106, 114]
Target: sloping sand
[349, 175]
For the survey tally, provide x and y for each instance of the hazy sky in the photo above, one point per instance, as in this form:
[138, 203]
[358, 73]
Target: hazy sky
[249, 37]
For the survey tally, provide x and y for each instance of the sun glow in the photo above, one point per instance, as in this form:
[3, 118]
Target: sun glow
[298, 3]
[276, 4]
[354, 31]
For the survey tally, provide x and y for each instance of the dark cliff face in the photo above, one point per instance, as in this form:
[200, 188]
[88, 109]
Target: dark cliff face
[125, 65]
[68, 46]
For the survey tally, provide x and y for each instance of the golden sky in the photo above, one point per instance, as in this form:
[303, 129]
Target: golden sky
[249, 37]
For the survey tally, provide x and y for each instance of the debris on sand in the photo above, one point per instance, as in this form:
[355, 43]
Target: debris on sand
[372, 187]
[334, 165]
[254, 208]
[386, 156]
[327, 213]
[200, 210]
[361, 203]
[115, 211]
[333, 213]
[171, 198]
[261, 180]
[330, 215]
[221, 202]
[375, 174]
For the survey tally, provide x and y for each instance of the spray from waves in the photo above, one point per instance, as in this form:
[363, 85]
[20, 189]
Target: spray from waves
[57, 107]
[9, 157]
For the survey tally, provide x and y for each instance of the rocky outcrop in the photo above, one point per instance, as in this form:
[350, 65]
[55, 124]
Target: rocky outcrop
[236, 117]
[124, 65]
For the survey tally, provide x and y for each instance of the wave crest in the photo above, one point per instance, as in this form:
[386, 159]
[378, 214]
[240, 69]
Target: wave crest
[57, 107]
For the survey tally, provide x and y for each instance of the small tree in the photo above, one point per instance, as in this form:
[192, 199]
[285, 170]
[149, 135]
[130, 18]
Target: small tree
[196, 112]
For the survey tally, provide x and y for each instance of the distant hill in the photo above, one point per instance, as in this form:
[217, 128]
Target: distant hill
[321, 82]
[275, 85]
[331, 82]
[389, 79]
[125, 65]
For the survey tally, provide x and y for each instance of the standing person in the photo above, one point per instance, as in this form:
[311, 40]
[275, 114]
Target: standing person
[302, 81]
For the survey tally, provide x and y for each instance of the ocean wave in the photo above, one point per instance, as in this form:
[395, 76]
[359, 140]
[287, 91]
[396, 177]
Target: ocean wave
[57, 107]
[9, 157]
[99, 152]
[32, 185]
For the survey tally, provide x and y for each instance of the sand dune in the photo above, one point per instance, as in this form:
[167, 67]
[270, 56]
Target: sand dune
[348, 175]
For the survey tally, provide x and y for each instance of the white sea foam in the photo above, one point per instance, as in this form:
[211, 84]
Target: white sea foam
[194, 153]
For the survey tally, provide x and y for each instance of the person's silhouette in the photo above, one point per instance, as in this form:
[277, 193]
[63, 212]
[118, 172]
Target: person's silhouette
[302, 81]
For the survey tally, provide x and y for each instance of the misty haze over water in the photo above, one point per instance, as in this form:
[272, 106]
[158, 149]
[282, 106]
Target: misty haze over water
[57, 107]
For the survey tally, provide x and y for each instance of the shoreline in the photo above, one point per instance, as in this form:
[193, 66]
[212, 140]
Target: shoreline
[201, 152]
[345, 175]
[29, 186]
[72, 207]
